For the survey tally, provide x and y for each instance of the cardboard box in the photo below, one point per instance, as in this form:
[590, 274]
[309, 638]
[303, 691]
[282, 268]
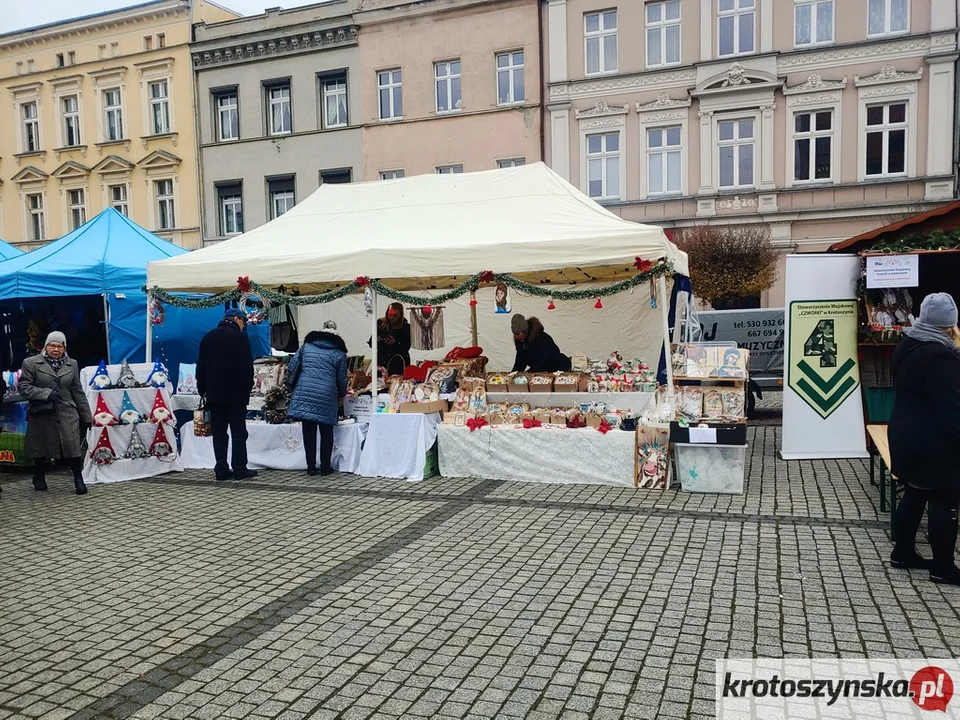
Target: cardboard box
[541, 387]
[584, 383]
[472, 384]
[594, 421]
[498, 387]
[544, 416]
[496, 418]
[425, 407]
[571, 387]
[514, 388]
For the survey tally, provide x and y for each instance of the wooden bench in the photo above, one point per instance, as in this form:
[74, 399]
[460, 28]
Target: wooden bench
[878, 436]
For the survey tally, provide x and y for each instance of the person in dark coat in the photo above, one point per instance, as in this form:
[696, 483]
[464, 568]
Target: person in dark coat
[924, 435]
[393, 340]
[225, 380]
[536, 350]
[318, 376]
[58, 415]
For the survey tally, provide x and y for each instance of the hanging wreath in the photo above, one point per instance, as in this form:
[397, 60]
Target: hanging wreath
[255, 315]
[157, 313]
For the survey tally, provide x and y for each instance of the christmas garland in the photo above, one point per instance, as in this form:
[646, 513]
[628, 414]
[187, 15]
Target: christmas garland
[647, 270]
[936, 240]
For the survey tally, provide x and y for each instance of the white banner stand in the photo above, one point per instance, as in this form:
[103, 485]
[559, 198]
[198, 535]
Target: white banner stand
[822, 408]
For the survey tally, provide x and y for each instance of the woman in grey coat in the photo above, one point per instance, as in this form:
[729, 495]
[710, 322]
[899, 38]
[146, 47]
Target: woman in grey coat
[58, 416]
[318, 376]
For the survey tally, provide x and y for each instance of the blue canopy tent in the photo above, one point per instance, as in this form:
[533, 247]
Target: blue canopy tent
[8, 251]
[107, 257]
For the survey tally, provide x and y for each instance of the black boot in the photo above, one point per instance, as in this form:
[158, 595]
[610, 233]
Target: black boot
[76, 464]
[39, 479]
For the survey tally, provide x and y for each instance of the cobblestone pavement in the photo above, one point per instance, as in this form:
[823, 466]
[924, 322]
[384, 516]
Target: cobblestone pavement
[292, 597]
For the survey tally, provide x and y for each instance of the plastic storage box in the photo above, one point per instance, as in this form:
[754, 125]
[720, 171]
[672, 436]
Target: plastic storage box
[711, 468]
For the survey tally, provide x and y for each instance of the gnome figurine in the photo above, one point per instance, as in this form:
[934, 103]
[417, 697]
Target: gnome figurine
[101, 378]
[158, 376]
[103, 453]
[160, 412]
[160, 447]
[136, 450]
[127, 379]
[129, 415]
[102, 415]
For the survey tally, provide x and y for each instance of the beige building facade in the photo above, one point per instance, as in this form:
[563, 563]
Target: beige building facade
[820, 118]
[99, 113]
[449, 87]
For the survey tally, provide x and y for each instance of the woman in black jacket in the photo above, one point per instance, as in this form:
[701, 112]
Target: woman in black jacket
[536, 350]
[924, 434]
[393, 340]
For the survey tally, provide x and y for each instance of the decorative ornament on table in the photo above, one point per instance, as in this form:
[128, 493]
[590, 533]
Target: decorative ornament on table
[102, 415]
[158, 375]
[129, 415]
[160, 447]
[160, 412]
[101, 378]
[604, 427]
[156, 311]
[599, 304]
[103, 452]
[529, 423]
[476, 423]
[368, 300]
[136, 450]
[127, 379]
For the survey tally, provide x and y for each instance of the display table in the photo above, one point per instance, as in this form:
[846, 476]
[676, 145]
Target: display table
[123, 469]
[276, 447]
[397, 445]
[544, 455]
[636, 401]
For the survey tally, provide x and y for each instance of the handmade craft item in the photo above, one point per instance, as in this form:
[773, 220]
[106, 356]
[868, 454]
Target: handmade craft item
[129, 415]
[101, 378]
[713, 403]
[501, 296]
[160, 447]
[733, 401]
[136, 450]
[158, 376]
[103, 452]
[102, 415]
[691, 402]
[461, 401]
[426, 328]
[127, 379]
[187, 379]
[444, 377]
[478, 401]
[733, 364]
[160, 413]
[653, 464]
[697, 365]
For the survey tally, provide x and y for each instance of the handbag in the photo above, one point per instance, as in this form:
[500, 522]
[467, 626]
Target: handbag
[41, 408]
[202, 426]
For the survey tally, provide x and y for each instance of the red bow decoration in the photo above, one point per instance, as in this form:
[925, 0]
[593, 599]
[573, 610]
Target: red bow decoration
[599, 304]
[576, 422]
[604, 427]
[487, 276]
[551, 306]
[473, 299]
[642, 265]
[476, 423]
[243, 284]
[530, 423]
[362, 281]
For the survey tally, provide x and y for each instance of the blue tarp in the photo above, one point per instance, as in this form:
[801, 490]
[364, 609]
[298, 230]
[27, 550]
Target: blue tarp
[8, 251]
[108, 256]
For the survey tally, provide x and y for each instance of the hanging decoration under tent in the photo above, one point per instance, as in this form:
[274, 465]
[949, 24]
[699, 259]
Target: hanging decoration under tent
[646, 271]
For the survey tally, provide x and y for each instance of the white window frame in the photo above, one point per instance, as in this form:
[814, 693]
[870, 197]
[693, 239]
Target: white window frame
[814, 26]
[885, 129]
[510, 70]
[393, 84]
[220, 111]
[814, 99]
[599, 36]
[272, 102]
[76, 211]
[812, 135]
[159, 103]
[887, 18]
[158, 201]
[511, 162]
[29, 213]
[391, 174]
[757, 150]
[660, 27]
[604, 156]
[66, 117]
[288, 197]
[739, 8]
[116, 111]
[122, 206]
[450, 169]
[445, 80]
[26, 124]
[340, 90]
[663, 150]
[888, 93]
[233, 203]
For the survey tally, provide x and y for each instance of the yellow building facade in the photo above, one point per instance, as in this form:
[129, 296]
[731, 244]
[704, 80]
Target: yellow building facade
[98, 112]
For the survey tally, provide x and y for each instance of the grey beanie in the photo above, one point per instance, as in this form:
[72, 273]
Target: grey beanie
[518, 324]
[939, 310]
[330, 327]
[56, 337]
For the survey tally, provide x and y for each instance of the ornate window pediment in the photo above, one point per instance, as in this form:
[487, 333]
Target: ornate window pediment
[663, 102]
[113, 164]
[888, 74]
[160, 160]
[602, 109]
[71, 170]
[30, 174]
[815, 83]
[736, 78]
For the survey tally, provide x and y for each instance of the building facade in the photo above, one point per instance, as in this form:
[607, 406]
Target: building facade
[278, 111]
[820, 118]
[449, 86]
[100, 115]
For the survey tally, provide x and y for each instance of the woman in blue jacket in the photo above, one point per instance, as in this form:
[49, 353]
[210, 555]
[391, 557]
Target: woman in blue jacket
[318, 376]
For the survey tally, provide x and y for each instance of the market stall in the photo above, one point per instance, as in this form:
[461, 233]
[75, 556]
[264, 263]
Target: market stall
[391, 240]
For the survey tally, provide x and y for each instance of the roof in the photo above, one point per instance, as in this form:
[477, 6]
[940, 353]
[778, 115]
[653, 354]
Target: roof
[901, 225]
[8, 251]
[107, 254]
[429, 231]
[81, 18]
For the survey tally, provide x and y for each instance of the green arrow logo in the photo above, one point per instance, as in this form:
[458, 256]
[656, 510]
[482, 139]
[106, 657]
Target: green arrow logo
[828, 393]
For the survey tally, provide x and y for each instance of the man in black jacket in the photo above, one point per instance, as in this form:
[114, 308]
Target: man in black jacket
[924, 434]
[225, 379]
[536, 351]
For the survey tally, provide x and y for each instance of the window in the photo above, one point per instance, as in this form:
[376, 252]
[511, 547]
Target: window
[663, 160]
[663, 33]
[278, 110]
[71, 58]
[813, 146]
[37, 229]
[71, 121]
[449, 169]
[228, 116]
[391, 94]
[448, 85]
[282, 195]
[166, 218]
[510, 78]
[888, 17]
[118, 199]
[391, 174]
[102, 52]
[31, 127]
[512, 162]
[159, 108]
[161, 40]
[335, 102]
[886, 139]
[736, 138]
[60, 62]
[813, 23]
[735, 27]
[114, 49]
[148, 42]
[113, 111]
[603, 166]
[340, 175]
[230, 202]
[78, 208]
[30, 66]
[600, 33]
[19, 68]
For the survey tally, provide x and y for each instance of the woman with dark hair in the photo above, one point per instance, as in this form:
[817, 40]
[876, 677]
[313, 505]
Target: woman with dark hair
[393, 340]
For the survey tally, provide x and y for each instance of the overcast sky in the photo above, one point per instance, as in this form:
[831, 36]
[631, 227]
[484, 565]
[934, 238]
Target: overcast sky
[17, 14]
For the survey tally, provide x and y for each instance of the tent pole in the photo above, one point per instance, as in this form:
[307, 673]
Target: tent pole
[149, 357]
[106, 327]
[474, 338]
[374, 385]
[665, 319]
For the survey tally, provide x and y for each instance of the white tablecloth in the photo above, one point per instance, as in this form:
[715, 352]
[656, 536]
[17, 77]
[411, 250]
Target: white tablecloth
[615, 401]
[397, 445]
[546, 455]
[277, 447]
[121, 470]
